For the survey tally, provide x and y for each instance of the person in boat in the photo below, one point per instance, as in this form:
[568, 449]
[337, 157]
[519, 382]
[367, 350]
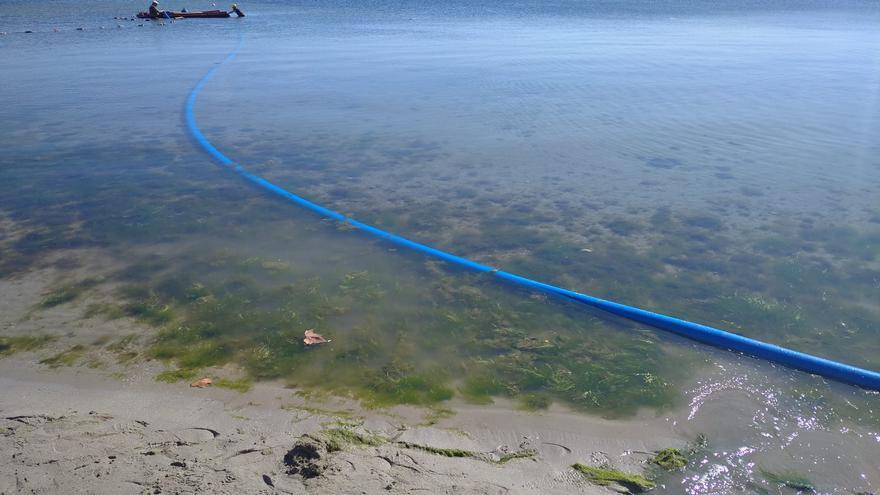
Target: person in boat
[235, 10]
[155, 13]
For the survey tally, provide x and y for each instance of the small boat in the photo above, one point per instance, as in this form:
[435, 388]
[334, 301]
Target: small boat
[204, 14]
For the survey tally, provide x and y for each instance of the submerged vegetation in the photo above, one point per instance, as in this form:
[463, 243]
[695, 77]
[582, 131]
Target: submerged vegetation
[670, 459]
[475, 339]
[66, 292]
[175, 375]
[635, 483]
[791, 480]
[65, 358]
[406, 331]
[428, 333]
[240, 385]
[125, 349]
[24, 343]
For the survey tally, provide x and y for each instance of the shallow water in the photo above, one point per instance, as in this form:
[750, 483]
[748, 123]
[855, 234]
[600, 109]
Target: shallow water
[713, 163]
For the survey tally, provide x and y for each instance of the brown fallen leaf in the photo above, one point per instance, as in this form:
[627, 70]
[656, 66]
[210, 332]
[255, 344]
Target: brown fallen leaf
[202, 383]
[312, 338]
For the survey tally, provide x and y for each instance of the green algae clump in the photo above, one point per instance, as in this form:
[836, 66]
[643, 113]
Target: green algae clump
[519, 454]
[338, 438]
[420, 390]
[66, 358]
[605, 476]
[176, 375]
[534, 402]
[670, 459]
[438, 451]
[65, 293]
[24, 343]
[241, 385]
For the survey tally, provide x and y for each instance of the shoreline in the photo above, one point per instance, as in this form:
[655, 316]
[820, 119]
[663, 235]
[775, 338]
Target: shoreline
[92, 433]
[65, 414]
[86, 428]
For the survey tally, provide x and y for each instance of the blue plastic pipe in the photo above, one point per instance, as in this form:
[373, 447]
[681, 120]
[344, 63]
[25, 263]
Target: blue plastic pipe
[693, 331]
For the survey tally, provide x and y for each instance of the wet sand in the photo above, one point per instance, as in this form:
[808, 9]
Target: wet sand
[66, 432]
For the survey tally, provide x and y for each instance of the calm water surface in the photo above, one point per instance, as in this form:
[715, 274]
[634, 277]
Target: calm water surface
[716, 163]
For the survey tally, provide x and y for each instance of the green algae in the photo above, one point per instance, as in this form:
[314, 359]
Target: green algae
[125, 349]
[361, 286]
[68, 357]
[241, 385]
[219, 308]
[319, 411]
[198, 321]
[123, 343]
[682, 270]
[464, 453]
[479, 388]
[534, 402]
[702, 221]
[698, 446]
[519, 454]
[435, 414]
[149, 311]
[338, 438]
[445, 452]
[622, 226]
[107, 311]
[60, 295]
[415, 389]
[342, 436]
[238, 321]
[789, 479]
[66, 293]
[24, 343]
[95, 363]
[606, 476]
[670, 459]
[770, 313]
[583, 381]
[844, 242]
[176, 375]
